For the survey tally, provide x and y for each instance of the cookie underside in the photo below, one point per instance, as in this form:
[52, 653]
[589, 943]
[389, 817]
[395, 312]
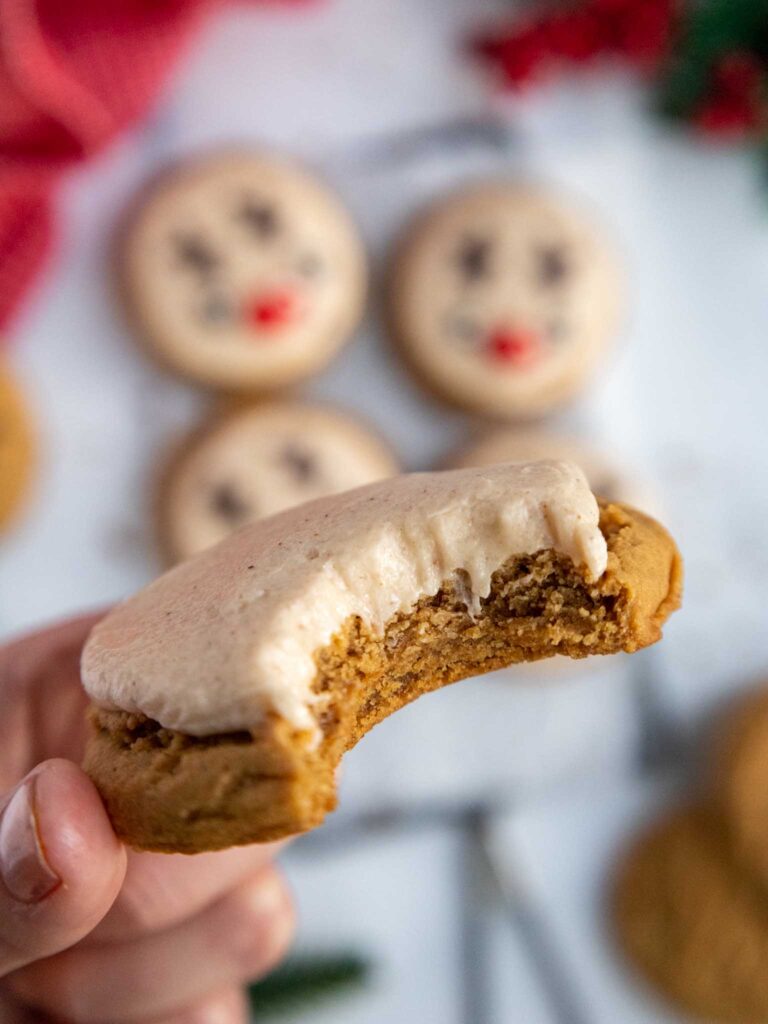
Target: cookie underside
[169, 791]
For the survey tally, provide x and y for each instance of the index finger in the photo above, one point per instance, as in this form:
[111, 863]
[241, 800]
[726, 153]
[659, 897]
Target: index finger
[41, 698]
[24, 657]
[161, 890]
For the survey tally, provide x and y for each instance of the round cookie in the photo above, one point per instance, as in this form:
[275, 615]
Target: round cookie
[242, 271]
[226, 693]
[16, 448]
[503, 300]
[508, 444]
[742, 780]
[259, 460]
[692, 922]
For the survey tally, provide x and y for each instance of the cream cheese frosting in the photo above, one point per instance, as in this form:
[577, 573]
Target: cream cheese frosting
[230, 635]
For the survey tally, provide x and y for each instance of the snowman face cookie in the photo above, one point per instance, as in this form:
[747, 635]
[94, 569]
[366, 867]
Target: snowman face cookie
[503, 300]
[259, 461]
[243, 272]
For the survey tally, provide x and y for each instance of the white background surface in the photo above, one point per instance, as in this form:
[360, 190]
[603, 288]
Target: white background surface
[681, 403]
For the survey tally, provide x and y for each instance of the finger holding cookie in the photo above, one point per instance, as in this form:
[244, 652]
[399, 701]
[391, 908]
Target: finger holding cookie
[226, 692]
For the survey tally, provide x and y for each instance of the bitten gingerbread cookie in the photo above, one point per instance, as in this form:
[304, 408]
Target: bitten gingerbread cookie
[242, 271]
[511, 444]
[16, 448]
[226, 693]
[692, 921]
[260, 460]
[503, 300]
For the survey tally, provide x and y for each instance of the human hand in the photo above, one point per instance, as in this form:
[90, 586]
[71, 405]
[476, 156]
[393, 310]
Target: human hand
[92, 933]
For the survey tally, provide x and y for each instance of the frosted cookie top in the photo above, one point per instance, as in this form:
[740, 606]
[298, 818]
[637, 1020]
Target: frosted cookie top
[231, 634]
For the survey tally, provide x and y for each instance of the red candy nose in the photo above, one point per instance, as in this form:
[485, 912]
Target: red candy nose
[517, 348]
[273, 309]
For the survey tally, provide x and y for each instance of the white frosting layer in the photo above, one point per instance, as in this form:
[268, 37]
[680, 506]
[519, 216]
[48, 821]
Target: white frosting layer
[232, 633]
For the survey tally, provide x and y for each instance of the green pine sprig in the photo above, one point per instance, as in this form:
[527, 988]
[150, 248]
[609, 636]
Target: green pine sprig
[302, 981]
[707, 31]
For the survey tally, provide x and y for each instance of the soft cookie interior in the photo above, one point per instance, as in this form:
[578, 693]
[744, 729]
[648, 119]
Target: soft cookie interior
[166, 790]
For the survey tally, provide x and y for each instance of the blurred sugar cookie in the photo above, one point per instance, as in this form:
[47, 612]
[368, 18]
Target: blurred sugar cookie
[692, 922]
[242, 271]
[508, 444]
[258, 460]
[503, 300]
[16, 448]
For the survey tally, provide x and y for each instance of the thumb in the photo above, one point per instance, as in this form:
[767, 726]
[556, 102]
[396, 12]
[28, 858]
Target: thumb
[61, 865]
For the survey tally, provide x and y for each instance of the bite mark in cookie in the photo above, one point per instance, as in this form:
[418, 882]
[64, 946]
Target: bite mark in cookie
[271, 654]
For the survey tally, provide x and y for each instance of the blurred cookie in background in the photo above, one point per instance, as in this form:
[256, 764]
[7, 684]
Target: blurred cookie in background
[17, 448]
[503, 300]
[261, 459]
[510, 444]
[242, 271]
[692, 921]
[741, 777]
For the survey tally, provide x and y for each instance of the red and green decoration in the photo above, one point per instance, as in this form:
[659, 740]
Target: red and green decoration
[707, 59]
[304, 982]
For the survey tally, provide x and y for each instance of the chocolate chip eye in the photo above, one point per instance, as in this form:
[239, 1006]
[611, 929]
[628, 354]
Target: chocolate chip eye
[461, 327]
[474, 258]
[557, 329]
[227, 503]
[193, 252]
[300, 463]
[309, 265]
[259, 218]
[216, 310]
[553, 266]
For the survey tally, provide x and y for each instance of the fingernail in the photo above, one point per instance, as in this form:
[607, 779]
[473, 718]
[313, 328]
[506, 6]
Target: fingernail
[25, 872]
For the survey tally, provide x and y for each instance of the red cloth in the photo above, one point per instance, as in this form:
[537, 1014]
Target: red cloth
[73, 73]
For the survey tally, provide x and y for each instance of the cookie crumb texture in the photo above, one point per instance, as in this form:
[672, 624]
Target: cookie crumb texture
[692, 922]
[166, 790]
